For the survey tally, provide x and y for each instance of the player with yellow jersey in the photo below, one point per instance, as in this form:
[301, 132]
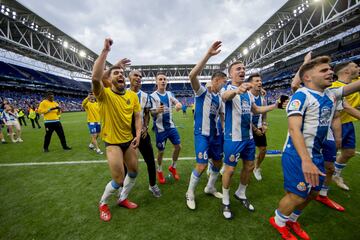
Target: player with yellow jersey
[346, 72]
[117, 108]
[93, 119]
[51, 111]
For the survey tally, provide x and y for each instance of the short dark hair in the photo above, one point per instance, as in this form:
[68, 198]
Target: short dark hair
[218, 74]
[253, 76]
[48, 93]
[234, 63]
[341, 66]
[313, 63]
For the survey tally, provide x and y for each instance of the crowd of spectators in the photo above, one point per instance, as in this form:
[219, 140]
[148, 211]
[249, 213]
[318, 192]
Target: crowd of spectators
[26, 99]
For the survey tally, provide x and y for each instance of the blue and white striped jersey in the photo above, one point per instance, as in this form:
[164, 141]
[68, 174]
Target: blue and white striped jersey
[339, 107]
[163, 121]
[257, 118]
[8, 116]
[238, 116]
[317, 110]
[144, 100]
[207, 108]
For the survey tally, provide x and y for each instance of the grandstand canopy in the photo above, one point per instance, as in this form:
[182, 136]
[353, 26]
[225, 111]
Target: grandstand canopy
[298, 24]
[24, 32]
[295, 26]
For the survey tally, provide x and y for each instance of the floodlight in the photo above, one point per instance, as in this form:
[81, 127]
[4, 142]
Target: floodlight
[66, 44]
[258, 41]
[82, 53]
[245, 51]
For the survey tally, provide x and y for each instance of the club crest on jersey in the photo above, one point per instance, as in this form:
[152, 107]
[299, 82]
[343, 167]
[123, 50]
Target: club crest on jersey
[294, 105]
[128, 102]
[232, 158]
[301, 186]
[200, 155]
[325, 115]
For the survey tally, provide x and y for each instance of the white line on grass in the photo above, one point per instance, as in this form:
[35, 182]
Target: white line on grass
[95, 161]
[87, 162]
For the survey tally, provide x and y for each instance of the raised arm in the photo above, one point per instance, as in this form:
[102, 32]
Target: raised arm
[84, 102]
[228, 95]
[263, 109]
[213, 50]
[99, 66]
[351, 88]
[296, 81]
[351, 110]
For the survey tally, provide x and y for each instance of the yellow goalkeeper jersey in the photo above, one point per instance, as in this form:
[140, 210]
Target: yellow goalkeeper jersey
[92, 110]
[352, 99]
[116, 112]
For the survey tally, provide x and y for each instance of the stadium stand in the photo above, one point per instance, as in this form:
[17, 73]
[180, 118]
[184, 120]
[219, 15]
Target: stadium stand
[277, 79]
[15, 80]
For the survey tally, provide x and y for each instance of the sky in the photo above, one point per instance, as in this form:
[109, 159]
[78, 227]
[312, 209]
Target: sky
[151, 32]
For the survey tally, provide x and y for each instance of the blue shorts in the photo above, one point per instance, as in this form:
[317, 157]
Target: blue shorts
[329, 151]
[94, 127]
[348, 135]
[208, 147]
[171, 134]
[238, 149]
[294, 180]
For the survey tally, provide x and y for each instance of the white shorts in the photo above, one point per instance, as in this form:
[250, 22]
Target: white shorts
[14, 123]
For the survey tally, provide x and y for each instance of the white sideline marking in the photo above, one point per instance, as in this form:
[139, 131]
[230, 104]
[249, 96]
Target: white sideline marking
[88, 162]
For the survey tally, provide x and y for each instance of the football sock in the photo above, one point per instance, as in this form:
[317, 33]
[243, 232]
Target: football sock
[240, 192]
[324, 190]
[129, 183]
[294, 215]
[194, 180]
[226, 196]
[110, 189]
[280, 219]
[212, 178]
[338, 168]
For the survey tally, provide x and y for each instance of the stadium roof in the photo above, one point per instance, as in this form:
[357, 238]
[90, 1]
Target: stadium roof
[296, 25]
[23, 31]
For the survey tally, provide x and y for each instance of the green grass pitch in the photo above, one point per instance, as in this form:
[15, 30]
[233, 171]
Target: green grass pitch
[61, 201]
